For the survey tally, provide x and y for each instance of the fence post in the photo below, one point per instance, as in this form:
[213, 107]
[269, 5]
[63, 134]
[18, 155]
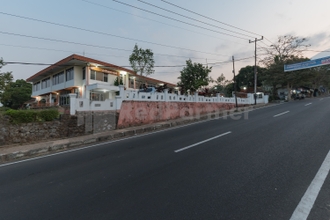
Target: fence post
[218, 97]
[121, 91]
[166, 95]
[196, 96]
[73, 103]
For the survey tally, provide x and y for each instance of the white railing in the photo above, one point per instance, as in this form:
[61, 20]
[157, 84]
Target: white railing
[81, 104]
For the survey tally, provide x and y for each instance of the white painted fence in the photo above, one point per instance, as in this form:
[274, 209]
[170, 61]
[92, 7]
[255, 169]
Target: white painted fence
[81, 104]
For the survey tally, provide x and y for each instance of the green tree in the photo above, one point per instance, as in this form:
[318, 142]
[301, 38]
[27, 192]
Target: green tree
[245, 77]
[16, 93]
[287, 50]
[229, 89]
[220, 84]
[142, 61]
[118, 81]
[5, 79]
[321, 77]
[194, 76]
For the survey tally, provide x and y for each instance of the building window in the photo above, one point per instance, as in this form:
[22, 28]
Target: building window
[93, 74]
[84, 73]
[45, 83]
[58, 78]
[36, 86]
[69, 74]
[99, 76]
[97, 96]
[64, 100]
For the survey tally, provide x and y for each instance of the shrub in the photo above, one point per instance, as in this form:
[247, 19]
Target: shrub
[3, 109]
[21, 116]
[48, 115]
[28, 116]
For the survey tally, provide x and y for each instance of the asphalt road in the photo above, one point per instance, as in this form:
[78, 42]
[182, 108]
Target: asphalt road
[253, 166]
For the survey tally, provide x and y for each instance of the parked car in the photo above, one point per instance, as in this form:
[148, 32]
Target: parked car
[298, 96]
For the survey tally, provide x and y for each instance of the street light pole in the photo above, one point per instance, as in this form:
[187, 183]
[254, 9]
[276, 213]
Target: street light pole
[255, 66]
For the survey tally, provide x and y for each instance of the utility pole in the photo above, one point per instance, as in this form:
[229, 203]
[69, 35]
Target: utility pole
[255, 66]
[234, 82]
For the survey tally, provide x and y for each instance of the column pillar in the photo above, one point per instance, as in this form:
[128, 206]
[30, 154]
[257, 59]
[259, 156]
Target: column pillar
[50, 99]
[72, 103]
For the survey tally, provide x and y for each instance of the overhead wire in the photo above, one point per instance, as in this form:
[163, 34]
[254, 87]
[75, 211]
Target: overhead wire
[181, 28]
[124, 66]
[82, 44]
[104, 33]
[229, 25]
[209, 18]
[69, 26]
[123, 3]
[92, 45]
[57, 50]
[147, 3]
[97, 54]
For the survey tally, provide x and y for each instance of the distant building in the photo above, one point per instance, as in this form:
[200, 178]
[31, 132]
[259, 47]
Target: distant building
[88, 78]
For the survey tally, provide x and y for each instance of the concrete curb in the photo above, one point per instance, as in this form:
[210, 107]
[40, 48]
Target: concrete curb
[34, 150]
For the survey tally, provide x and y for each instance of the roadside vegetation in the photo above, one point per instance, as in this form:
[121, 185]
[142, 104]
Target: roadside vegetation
[28, 116]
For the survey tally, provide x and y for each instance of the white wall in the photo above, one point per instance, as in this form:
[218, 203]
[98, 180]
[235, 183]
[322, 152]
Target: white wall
[82, 104]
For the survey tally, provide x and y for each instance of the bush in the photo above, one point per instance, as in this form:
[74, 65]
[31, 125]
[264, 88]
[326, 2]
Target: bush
[28, 116]
[3, 109]
[21, 116]
[48, 115]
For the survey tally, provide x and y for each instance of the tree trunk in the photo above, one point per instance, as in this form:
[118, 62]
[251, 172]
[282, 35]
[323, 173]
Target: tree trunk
[289, 91]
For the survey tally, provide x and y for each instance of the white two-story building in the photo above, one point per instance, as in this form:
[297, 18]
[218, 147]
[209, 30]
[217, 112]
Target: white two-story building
[88, 78]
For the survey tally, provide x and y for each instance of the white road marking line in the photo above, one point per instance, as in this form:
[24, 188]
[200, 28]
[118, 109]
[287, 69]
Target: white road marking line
[308, 104]
[193, 145]
[307, 201]
[281, 114]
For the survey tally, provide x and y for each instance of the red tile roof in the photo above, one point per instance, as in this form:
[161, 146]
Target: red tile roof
[80, 58]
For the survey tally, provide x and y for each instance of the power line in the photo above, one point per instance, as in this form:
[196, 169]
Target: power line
[103, 33]
[193, 19]
[61, 41]
[229, 25]
[160, 66]
[269, 40]
[84, 44]
[50, 49]
[178, 20]
[236, 60]
[181, 28]
[97, 54]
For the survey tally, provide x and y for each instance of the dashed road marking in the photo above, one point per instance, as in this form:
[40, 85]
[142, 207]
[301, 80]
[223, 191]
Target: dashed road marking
[283, 113]
[193, 145]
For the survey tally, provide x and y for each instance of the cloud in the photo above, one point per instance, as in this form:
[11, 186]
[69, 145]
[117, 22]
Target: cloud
[221, 48]
[318, 39]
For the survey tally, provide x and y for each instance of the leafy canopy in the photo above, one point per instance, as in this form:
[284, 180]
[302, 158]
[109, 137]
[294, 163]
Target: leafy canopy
[16, 93]
[5, 79]
[245, 77]
[220, 84]
[142, 61]
[287, 50]
[194, 76]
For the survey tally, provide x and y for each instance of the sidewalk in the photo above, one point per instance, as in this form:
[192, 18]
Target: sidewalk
[15, 152]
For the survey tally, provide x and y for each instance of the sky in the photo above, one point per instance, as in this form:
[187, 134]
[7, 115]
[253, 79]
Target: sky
[40, 32]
